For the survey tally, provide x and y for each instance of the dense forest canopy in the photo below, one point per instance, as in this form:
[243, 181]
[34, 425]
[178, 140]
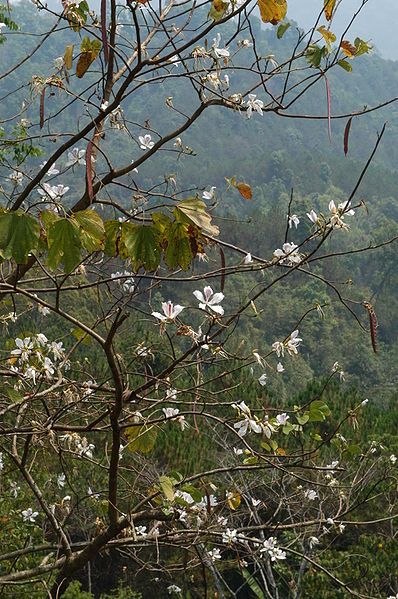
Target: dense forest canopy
[198, 294]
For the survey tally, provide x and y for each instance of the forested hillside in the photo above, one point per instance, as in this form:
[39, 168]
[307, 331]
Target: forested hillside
[198, 300]
[277, 157]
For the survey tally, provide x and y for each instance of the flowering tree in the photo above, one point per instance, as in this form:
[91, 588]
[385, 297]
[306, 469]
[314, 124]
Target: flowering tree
[100, 368]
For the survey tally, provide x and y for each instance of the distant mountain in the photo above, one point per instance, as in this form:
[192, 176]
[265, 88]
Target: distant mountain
[377, 21]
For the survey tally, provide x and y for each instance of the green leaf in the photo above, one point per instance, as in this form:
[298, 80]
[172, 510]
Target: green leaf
[81, 336]
[167, 486]
[92, 230]
[19, 235]
[344, 64]
[283, 27]
[112, 235]
[320, 405]
[362, 47]
[303, 419]
[161, 221]
[141, 438]
[64, 244]
[142, 246]
[14, 395]
[48, 218]
[178, 251]
[315, 54]
[195, 210]
[253, 584]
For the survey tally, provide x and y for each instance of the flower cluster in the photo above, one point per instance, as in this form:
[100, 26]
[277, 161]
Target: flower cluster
[290, 345]
[127, 284]
[271, 548]
[31, 357]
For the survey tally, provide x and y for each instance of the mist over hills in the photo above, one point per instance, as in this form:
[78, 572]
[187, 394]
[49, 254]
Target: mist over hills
[377, 21]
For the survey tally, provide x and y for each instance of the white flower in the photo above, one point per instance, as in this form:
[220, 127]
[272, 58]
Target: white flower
[16, 177]
[170, 412]
[210, 501]
[245, 43]
[310, 494]
[230, 536]
[84, 448]
[104, 106]
[41, 339]
[279, 348]
[57, 350]
[338, 213]
[91, 494]
[178, 143]
[76, 156]
[293, 220]
[173, 589]
[141, 531]
[254, 104]
[364, 402]
[14, 489]
[282, 419]
[393, 459]
[293, 342]
[53, 192]
[43, 310]
[210, 300]
[24, 348]
[170, 311]
[29, 515]
[255, 502]
[313, 216]
[1, 462]
[289, 254]
[313, 541]
[248, 259]
[238, 451]
[263, 379]
[274, 552]
[280, 367]
[48, 368]
[219, 52]
[187, 497]
[332, 466]
[146, 142]
[59, 62]
[209, 195]
[341, 528]
[248, 424]
[61, 481]
[214, 554]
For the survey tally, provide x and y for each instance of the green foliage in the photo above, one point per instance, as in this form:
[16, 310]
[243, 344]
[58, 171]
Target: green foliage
[19, 235]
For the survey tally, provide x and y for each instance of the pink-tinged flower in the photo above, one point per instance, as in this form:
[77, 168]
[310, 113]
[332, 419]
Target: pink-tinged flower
[146, 142]
[209, 299]
[170, 311]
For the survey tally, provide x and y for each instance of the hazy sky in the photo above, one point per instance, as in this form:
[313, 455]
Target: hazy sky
[377, 21]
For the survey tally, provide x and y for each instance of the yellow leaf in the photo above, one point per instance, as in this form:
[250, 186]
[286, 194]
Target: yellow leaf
[218, 9]
[329, 9]
[348, 49]
[327, 35]
[85, 59]
[245, 190]
[68, 56]
[272, 11]
[233, 500]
